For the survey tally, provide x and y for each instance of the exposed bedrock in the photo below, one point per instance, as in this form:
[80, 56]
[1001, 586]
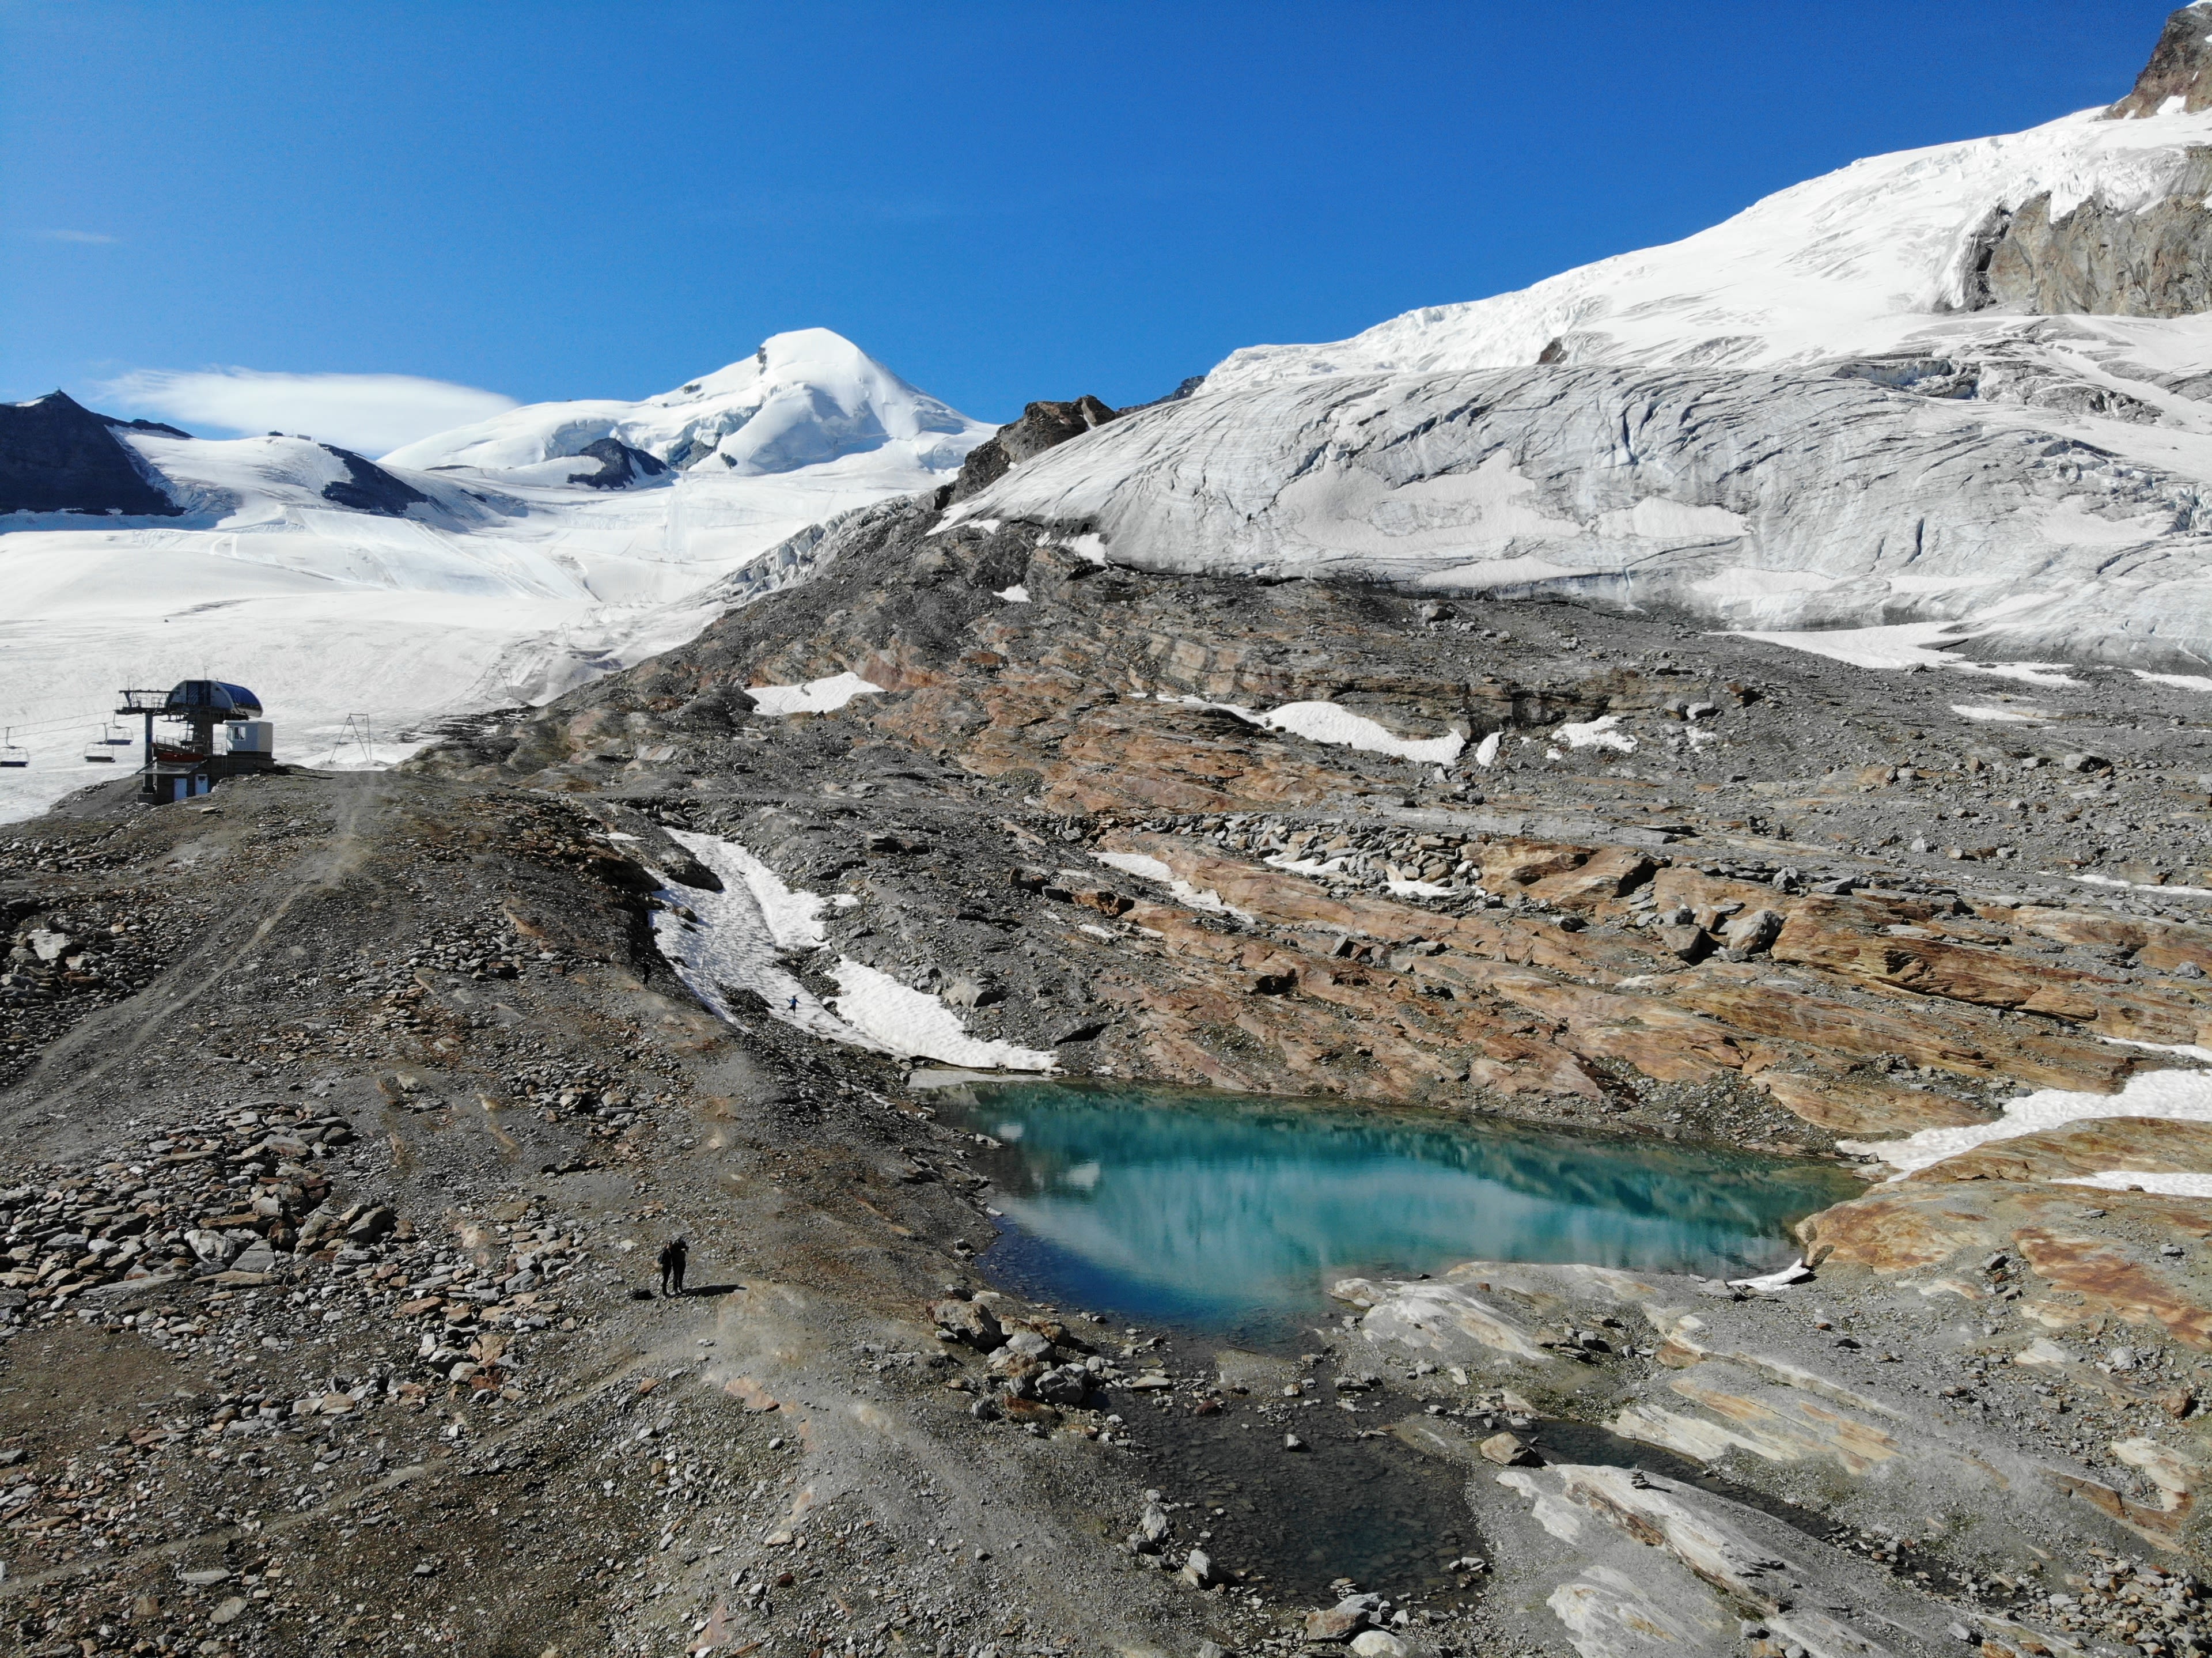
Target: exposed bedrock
[620, 465]
[2181, 67]
[2152, 259]
[368, 487]
[1043, 426]
[1512, 918]
[58, 456]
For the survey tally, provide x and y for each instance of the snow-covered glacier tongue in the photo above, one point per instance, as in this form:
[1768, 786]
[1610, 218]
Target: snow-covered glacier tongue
[1969, 383]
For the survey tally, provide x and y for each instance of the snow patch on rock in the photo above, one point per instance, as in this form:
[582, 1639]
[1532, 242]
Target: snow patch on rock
[917, 1025]
[2177, 1096]
[1332, 723]
[1603, 733]
[1145, 867]
[1326, 722]
[2129, 1179]
[815, 697]
[739, 943]
[2187, 682]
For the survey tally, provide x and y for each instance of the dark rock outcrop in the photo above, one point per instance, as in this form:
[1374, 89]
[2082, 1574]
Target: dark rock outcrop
[1043, 426]
[1186, 387]
[2181, 67]
[158, 428]
[57, 456]
[2154, 260]
[369, 488]
[620, 465]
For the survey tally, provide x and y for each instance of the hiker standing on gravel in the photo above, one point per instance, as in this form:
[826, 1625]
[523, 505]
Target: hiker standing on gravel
[672, 1256]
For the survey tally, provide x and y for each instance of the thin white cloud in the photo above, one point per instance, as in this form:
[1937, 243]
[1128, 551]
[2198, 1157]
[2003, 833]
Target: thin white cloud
[371, 413]
[92, 238]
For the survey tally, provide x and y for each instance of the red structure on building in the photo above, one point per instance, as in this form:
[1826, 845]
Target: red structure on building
[180, 766]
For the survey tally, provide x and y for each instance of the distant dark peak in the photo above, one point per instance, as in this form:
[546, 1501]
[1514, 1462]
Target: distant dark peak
[2181, 67]
[57, 456]
[140, 426]
[369, 488]
[1043, 426]
[620, 465]
[1184, 388]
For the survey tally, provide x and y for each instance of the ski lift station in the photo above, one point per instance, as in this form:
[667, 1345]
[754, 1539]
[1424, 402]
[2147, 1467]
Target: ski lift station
[181, 764]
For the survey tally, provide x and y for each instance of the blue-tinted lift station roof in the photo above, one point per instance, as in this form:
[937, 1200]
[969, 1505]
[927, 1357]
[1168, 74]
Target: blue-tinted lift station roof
[215, 696]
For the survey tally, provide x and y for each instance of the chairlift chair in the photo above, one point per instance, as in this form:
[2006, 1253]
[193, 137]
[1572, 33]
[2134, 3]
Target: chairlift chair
[10, 754]
[115, 737]
[97, 753]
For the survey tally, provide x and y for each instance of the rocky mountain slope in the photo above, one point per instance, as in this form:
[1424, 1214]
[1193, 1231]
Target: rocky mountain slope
[1545, 859]
[57, 456]
[347, 1112]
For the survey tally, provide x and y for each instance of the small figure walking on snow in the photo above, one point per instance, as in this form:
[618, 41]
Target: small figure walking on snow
[673, 1258]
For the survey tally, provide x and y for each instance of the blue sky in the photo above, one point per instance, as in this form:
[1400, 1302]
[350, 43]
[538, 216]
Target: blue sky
[1000, 202]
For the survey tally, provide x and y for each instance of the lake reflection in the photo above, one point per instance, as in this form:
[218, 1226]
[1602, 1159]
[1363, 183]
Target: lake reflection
[1230, 1213]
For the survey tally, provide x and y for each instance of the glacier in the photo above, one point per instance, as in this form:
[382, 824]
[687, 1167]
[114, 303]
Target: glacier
[1838, 409]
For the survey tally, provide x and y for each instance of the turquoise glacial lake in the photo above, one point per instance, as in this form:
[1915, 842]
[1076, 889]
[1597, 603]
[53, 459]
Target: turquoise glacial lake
[1232, 1214]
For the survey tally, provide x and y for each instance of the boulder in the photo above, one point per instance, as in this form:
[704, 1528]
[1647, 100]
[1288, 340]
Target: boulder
[968, 1323]
[1066, 1384]
[1754, 932]
[1336, 1625]
[1508, 1452]
[1378, 1643]
[373, 1225]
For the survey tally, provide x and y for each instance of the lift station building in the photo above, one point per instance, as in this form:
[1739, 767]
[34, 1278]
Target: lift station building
[181, 764]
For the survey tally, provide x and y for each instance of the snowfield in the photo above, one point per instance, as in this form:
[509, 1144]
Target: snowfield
[503, 584]
[1857, 262]
[743, 936]
[2177, 1096]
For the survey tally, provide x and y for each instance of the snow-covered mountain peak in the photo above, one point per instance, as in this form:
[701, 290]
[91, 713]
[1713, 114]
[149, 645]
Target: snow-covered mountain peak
[2085, 215]
[803, 398]
[1855, 262]
[497, 563]
[1965, 385]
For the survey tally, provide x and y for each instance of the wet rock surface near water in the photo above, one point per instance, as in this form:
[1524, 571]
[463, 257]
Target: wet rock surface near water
[1350, 1502]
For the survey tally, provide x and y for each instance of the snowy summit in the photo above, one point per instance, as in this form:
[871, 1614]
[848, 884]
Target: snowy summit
[501, 563]
[807, 398]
